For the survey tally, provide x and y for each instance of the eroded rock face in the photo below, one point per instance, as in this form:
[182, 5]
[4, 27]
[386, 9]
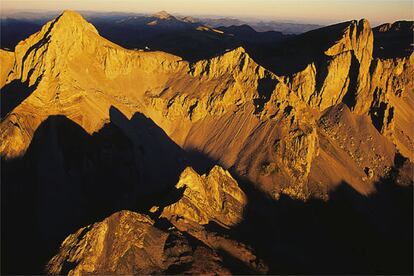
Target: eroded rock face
[129, 243]
[124, 243]
[7, 62]
[335, 120]
[392, 108]
[132, 243]
[393, 40]
[299, 149]
[215, 196]
[341, 71]
[229, 108]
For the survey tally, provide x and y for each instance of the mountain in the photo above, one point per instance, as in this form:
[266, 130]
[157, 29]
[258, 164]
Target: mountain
[314, 147]
[14, 30]
[186, 37]
[262, 26]
[245, 33]
[161, 19]
[315, 72]
[161, 31]
[140, 244]
[394, 39]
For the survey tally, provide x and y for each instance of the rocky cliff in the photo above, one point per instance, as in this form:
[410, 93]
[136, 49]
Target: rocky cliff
[133, 243]
[74, 72]
[80, 113]
[212, 197]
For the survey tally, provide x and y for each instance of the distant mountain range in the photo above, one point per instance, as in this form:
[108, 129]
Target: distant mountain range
[258, 25]
[262, 26]
[15, 26]
[189, 37]
[183, 36]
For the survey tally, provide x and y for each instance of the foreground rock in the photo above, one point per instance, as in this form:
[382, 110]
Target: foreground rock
[124, 236]
[215, 196]
[133, 243]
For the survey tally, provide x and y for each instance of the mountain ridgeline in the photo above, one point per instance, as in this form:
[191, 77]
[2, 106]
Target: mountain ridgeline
[288, 154]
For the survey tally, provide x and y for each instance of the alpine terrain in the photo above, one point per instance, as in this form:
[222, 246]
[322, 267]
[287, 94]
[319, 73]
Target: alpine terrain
[281, 155]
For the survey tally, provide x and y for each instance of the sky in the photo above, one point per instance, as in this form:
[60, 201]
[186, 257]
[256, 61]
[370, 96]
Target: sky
[306, 11]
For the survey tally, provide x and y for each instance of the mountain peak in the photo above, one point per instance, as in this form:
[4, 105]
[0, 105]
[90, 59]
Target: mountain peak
[70, 14]
[364, 24]
[162, 15]
[67, 34]
[74, 21]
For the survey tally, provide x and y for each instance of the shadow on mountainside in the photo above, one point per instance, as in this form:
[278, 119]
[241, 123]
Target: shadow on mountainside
[189, 43]
[13, 94]
[13, 30]
[68, 179]
[293, 54]
[394, 40]
[348, 234]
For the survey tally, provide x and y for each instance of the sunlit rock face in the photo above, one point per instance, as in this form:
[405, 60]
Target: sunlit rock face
[133, 243]
[228, 108]
[392, 107]
[124, 243]
[129, 243]
[215, 196]
[340, 71]
[89, 128]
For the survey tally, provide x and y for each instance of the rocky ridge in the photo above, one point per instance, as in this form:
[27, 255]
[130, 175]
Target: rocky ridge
[215, 196]
[82, 82]
[135, 243]
[87, 113]
[344, 69]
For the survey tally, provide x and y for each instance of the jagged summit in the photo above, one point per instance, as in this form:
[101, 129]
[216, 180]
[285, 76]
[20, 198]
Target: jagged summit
[394, 40]
[82, 74]
[361, 22]
[397, 26]
[57, 42]
[94, 128]
[75, 21]
[70, 15]
[68, 27]
[162, 15]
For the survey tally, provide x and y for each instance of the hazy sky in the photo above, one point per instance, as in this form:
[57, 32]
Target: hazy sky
[316, 11]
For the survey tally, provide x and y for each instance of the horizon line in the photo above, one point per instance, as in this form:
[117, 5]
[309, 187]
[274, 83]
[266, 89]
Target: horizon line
[8, 12]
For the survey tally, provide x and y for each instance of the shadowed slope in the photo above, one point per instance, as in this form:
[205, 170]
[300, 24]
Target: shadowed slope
[349, 233]
[68, 178]
[294, 54]
[286, 136]
[394, 40]
[227, 107]
[13, 94]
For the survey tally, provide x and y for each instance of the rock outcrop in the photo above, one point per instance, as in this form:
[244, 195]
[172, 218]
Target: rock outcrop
[340, 69]
[7, 63]
[133, 243]
[215, 196]
[89, 128]
[130, 243]
[124, 243]
[392, 108]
